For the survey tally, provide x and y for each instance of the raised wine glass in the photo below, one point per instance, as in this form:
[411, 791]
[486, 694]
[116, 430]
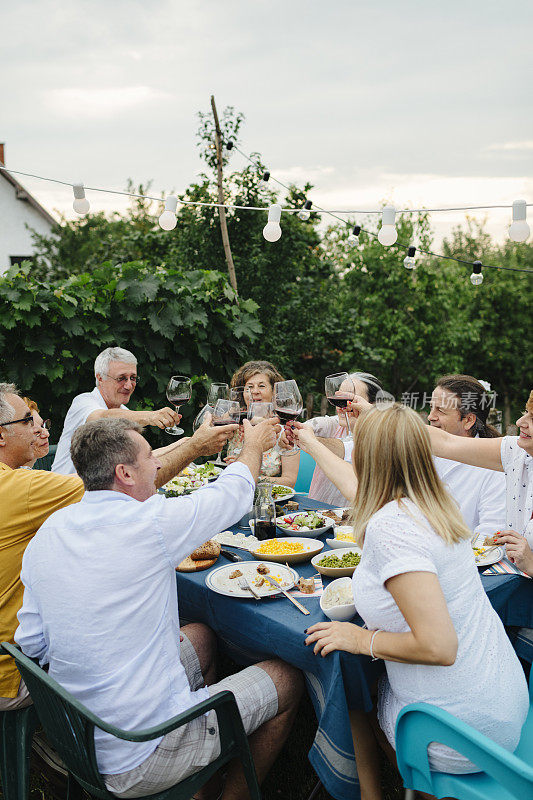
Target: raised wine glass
[240, 394]
[179, 390]
[217, 391]
[200, 417]
[288, 405]
[259, 410]
[226, 412]
[340, 390]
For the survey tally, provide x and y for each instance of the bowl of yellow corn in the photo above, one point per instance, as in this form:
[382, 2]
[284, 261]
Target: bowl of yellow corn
[286, 549]
[343, 537]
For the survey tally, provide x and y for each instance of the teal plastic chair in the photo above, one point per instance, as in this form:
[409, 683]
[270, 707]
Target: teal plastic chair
[504, 775]
[305, 473]
[16, 732]
[69, 728]
[46, 461]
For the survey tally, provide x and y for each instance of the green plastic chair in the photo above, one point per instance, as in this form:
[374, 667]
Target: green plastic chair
[16, 732]
[504, 775]
[69, 728]
[46, 461]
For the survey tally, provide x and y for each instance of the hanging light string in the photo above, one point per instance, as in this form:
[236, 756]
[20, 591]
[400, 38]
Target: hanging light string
[291, 210]
[406, 211]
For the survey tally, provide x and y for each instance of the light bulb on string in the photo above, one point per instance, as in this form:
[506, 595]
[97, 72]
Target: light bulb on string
[81, 204]
[519, 229]
[476, 278]
[305, 212]
[168, 220]
[409, 260]
[229, 145]
[272, 230]
[387, 233]
[353, 238]
[265, 178]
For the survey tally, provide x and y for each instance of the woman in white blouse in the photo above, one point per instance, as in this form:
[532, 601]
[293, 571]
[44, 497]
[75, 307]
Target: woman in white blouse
[419, 592]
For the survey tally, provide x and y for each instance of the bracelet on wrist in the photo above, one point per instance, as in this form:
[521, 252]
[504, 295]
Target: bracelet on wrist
[374, 658]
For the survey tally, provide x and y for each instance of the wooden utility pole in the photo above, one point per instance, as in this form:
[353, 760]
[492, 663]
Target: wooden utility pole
[221, 209]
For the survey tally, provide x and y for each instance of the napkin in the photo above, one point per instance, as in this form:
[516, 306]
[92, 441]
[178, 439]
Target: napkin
[504, 567]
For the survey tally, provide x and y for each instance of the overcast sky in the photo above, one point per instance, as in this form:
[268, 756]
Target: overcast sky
[419, 102]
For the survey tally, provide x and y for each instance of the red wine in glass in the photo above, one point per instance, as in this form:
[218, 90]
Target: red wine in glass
[339, 401]
[286, 415]
[265, 529]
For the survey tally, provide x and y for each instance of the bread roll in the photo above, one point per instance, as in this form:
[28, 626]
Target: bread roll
[209, 549]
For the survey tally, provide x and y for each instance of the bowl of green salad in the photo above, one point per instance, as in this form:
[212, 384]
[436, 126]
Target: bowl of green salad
[309, 523]
[340, 563]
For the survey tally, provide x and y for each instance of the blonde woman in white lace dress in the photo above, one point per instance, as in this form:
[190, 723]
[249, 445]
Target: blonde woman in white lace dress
[418, 590]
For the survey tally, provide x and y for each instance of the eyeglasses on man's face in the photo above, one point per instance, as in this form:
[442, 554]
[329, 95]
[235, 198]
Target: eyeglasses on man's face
[25, 420]
[124, 378]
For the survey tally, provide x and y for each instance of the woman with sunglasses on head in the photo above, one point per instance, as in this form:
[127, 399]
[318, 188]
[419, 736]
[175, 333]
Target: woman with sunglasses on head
[41, 446]
[418, 591]
[340, 426]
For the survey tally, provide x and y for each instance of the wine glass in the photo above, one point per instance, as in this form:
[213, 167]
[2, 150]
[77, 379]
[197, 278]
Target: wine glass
[217, 391]
[340, 390]
[225, 412]
[179, 390]
[200, 417]
[258, 411]
[240, 394]
[288, 405]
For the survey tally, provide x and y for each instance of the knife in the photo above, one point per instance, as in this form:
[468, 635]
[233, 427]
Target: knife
[298, 605]
[230, 556]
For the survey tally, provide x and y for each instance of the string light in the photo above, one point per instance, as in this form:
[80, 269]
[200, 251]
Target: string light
[80, 205]
[388, 234]
[229, 145]
[519, 229]
[291, 210]
[305, 212]
[353, 237]
[168, 220]
[409, 260]
[272, 230]
[476, 278]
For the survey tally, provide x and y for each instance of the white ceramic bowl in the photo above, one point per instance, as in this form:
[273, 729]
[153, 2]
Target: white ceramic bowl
[309, 534]
[310, 548]
[338, 613]
[335, 572]
[344, 529]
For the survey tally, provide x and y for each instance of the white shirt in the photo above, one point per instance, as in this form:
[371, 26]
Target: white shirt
[82, 405]
[397, 542]
[479, 493]
[101, 607]
[518, 468]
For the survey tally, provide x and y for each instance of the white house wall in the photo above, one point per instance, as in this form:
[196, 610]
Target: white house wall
[15, 238]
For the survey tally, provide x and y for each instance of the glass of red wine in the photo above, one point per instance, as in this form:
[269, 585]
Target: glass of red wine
[340, 390]
[288, 406]
[226, 412]
[200, 417]
[259, 410]
[179, 390]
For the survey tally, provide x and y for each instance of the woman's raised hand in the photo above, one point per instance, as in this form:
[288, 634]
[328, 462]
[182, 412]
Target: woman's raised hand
[358, 405]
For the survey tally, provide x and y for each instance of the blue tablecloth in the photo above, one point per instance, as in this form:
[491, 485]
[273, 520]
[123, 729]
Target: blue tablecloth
[250, 631]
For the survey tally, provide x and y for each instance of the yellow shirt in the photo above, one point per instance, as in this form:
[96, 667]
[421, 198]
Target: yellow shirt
[27, 498]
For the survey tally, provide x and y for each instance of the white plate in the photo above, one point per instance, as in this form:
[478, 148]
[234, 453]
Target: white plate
[195, 470]
[328, 523]
[310, 548]
[490, 558]
[219, 581]
[185, 484]
[290, 493]
[235, 539]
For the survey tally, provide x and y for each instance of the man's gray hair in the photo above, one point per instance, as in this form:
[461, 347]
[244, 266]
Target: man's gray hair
[103, 360]
[98, 446]
[7, 412]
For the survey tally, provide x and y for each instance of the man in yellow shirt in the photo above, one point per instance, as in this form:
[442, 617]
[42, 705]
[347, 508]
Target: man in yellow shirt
[28, 497]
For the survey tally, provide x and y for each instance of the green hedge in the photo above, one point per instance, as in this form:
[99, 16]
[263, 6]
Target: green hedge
[176, 322]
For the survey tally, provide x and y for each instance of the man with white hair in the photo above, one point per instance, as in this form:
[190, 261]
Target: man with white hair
[115, 370]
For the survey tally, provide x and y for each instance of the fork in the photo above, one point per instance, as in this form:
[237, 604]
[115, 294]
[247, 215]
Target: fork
[244, 583]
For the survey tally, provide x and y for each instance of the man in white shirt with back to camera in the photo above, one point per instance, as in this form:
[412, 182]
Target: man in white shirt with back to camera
[115, 371]
[101, 608]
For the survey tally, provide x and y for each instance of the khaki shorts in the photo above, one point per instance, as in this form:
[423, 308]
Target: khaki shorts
[191, 747]
[22, 699]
